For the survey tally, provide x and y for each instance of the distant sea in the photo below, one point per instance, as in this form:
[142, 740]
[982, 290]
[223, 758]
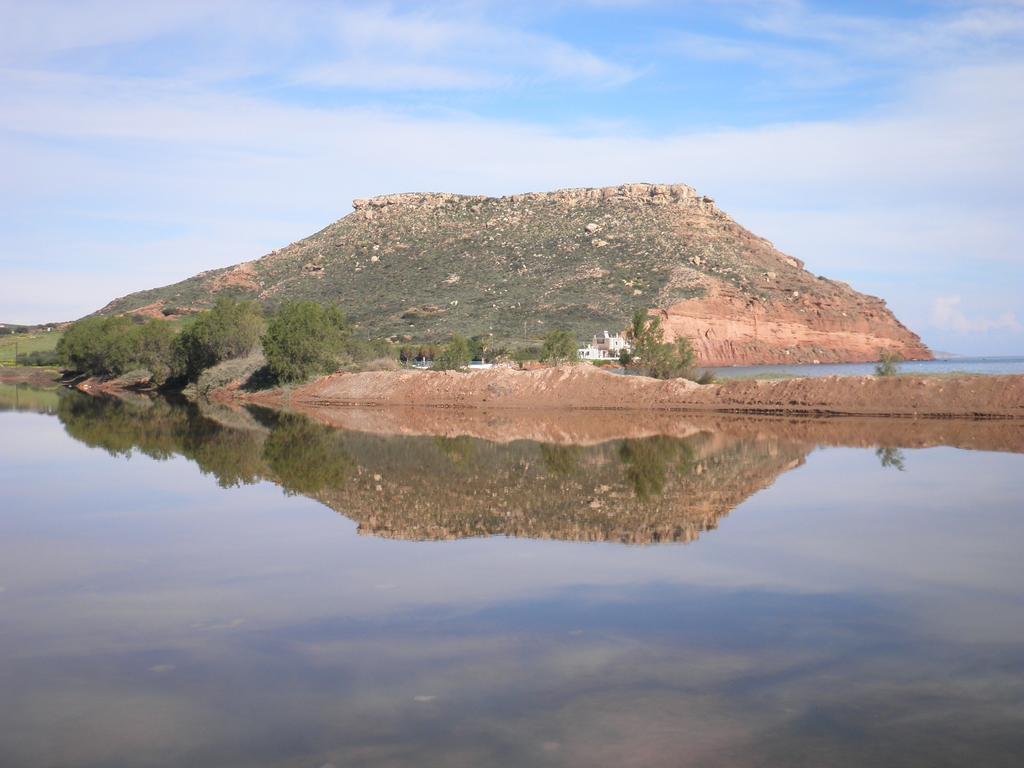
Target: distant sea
[981, 365]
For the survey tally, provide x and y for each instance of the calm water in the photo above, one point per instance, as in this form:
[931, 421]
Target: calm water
[257, 590]
[981, 365]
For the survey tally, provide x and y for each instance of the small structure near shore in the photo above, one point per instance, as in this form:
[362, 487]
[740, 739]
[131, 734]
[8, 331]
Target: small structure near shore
[605, 346]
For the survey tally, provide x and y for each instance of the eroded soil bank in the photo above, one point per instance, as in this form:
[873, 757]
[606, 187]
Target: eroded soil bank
[585, 387]
[35, 377]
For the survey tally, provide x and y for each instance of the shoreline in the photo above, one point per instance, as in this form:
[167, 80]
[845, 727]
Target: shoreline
[583, 389]
[579, 388]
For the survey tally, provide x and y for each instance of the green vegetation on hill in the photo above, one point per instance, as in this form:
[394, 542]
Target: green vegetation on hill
[426, 267]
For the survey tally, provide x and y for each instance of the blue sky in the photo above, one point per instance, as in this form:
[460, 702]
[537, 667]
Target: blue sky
[879, 142]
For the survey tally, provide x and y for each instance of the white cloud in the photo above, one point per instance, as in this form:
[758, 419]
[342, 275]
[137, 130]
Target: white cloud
[370, 47]
[948, 316]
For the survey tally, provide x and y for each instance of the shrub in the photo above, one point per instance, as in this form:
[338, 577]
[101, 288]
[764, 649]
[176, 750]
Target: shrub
[304, 339]
[888, 363]
[661, 359]
[42, 357]
[231, 329]
[560, 347]
[455, 355]
[523, 355]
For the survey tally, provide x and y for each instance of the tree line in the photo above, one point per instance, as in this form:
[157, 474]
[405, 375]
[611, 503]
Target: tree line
[304, 338]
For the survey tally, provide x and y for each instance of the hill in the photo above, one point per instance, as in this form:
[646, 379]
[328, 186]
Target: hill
[423, 266]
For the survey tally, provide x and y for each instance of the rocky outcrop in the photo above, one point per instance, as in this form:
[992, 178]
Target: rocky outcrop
[798, 328]
[578, 259]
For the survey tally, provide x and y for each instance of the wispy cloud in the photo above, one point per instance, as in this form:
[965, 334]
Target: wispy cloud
[369, 47]
[947, 315]
[816, 49]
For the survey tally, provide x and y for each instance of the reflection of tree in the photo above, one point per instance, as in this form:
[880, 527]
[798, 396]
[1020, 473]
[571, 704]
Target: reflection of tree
[160, 429]
[233, 456]
[458, 449]
[891, 457]
[648, 461]
[561, 460]
[305, 457]
[152, 427]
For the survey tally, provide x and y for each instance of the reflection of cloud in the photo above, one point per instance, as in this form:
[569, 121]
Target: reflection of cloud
[947, 316]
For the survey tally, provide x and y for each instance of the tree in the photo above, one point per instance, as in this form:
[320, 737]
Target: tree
[153, 348]
[661, 359]
[95, 346]
[888, 363]
[560, 347]
[305, 338]
[455, 355]
[111, 346]
[231, 329]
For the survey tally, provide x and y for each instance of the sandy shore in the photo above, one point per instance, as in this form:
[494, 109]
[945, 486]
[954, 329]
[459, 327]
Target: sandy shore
[589, 388]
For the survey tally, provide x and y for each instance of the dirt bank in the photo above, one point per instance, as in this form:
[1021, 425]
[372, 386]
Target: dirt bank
[586, 387]
[36, 377]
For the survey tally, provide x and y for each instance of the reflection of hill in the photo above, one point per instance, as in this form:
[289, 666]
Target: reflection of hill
[636, 491]
[587, 476]
[591, 427]
[654, 489]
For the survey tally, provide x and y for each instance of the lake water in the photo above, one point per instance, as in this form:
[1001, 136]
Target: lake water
[978, 365]
[195, 588]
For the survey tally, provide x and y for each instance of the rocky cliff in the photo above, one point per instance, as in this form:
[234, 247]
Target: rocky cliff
[422, 266]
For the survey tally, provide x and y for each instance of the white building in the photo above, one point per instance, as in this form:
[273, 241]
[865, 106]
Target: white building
[605, 346]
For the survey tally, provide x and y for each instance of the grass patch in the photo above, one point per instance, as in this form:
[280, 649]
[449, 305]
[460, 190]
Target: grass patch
[32, 344]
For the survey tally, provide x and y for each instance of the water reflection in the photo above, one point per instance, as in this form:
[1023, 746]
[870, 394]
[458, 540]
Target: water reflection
[843, 616]
[655, 489]
[23, 397]
[891, 458]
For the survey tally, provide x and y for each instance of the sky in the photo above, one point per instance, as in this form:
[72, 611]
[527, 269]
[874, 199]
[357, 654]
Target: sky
[880, 142]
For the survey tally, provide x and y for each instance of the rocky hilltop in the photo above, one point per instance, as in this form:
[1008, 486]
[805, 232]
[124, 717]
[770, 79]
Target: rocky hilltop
[422, 266]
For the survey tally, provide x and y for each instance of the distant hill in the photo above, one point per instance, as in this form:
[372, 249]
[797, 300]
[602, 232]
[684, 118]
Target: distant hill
[422, 266]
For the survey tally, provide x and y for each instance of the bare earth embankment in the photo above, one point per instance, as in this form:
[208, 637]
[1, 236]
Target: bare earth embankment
[585, 387]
